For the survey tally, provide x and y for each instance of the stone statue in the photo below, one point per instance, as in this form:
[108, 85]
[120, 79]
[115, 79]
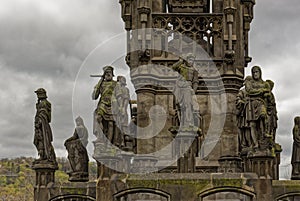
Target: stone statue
[77, 155]
[296, 149]
[256, 113]
[184, 91]
[120, 105]
[258, 90]
[247, 139]
[272, 111]
[82, 131]
[103, 117]
[43, 135]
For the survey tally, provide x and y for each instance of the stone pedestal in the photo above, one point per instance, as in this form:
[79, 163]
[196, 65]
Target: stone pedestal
[78, 176]
[295, 177]
[45, 179]
[44, 173]
[262, 165]
[107, 166]
[278, 151]
[107, 160]
[229, 161]
[230, 164]
[143, 164]
[186, 150]
[125, 162]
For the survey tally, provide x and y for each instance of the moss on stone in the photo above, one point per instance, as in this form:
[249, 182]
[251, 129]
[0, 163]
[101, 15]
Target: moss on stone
[221, 182]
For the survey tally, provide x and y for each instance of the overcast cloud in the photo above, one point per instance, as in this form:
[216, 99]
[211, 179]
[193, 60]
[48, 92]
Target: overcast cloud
[44, 44]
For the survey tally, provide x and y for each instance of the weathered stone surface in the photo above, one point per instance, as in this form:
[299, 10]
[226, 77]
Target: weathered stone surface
[230, 153]
[42, 131]
[179, 187]
[286, 189]
[78, 157]
[296, 150]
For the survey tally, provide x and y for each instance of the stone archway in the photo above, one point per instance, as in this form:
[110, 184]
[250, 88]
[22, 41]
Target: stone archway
[73, 198]
[288, 196]
[142, 194]
[227, 193]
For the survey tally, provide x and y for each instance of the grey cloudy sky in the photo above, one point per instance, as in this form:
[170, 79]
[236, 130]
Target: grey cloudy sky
[44, 43]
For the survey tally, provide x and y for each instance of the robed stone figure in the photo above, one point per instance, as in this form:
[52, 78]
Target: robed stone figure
[184, 91]
[104, 123]
[77, 154]
[296, 149]
[256, 114]
[42, 131]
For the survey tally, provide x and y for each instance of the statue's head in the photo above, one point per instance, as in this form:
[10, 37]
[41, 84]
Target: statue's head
[41, 93]
[79, 121]
[256, 72]
[108, 73]
[121, 79]
[248, 78]
[190, 58]
[297, 120]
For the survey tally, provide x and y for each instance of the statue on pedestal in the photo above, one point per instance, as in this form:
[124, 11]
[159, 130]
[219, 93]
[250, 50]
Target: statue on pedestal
[110, 116]
[256, 114]
[187, 114]
[103, 117]
[272, 111]
[296, 149]
[42, 131]
[120, 105]
[247, 139]
[77, 153]
[185, 92]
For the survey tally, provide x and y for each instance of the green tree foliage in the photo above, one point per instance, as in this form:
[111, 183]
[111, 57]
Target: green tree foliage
[17, 179]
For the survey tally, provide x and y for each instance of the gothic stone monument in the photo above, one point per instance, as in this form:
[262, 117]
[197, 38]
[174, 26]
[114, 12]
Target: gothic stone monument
[218, 137]
[187, 61]
[200, 130]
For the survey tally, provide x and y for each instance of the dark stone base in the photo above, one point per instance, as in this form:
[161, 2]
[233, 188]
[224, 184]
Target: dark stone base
[78, 176]
[295, 177]
[44, 164]
[45, 179]
[262, 165]
[230, 164]
[261, 153]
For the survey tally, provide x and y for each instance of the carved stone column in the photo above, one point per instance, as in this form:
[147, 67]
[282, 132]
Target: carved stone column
[44, 180]
[229, 161]
[186, 150]
[146, 100]
[262, 165]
